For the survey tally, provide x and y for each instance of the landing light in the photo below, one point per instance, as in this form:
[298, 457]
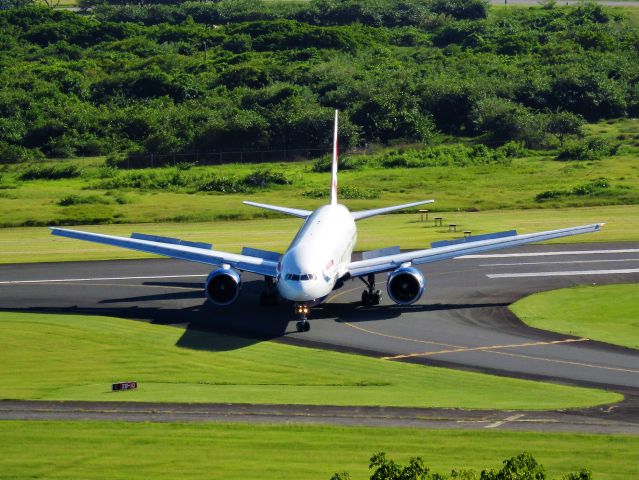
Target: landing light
[302, 309]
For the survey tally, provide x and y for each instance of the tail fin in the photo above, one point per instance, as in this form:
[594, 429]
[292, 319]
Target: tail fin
[334, 168]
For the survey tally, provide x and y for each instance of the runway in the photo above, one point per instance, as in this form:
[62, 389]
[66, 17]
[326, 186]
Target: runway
[462, 321]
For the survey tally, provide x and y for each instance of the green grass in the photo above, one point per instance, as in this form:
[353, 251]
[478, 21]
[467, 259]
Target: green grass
[471, 188]
[80, 450]
[606, 312]
[36, 244]
[60, 357]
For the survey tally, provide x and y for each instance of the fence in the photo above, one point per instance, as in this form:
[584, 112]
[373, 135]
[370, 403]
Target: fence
[219, 158]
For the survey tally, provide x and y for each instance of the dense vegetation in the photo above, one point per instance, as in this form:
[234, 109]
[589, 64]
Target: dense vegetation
[250, 75]
[521, 467]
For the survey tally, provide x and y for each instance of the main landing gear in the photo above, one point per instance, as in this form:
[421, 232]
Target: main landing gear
[302, 311]
[268, 297]
[370, 296]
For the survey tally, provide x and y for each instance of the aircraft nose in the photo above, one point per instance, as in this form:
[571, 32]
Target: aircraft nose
[296, 291]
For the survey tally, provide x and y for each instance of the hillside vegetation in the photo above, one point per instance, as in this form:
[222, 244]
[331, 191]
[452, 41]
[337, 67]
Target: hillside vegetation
[250, 75]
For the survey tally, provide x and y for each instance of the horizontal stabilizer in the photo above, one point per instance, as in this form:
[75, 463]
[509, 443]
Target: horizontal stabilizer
[171, 241]
[295, 212]
[264, 254]
[474, 238]
[380, 211]
[380, 253]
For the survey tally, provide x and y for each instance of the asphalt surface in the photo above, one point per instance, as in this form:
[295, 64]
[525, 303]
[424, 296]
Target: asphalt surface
[604, 420]
[462, 321]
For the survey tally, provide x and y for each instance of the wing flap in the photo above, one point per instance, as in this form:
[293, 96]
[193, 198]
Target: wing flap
[181, 252]
[417, 257]
[171, 240]
[474, 238]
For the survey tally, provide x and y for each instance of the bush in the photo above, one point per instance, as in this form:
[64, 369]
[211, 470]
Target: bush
[324, 164]
[221, 184]
[444, 155]
[588, 149]
[513, 150]
[10, 153]
[264, 178]
[51, 172]
[601, 186]
[347, 192]
[80, 199]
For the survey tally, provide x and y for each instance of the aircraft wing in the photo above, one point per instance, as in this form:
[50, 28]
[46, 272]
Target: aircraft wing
[391, 262]
[190, 253]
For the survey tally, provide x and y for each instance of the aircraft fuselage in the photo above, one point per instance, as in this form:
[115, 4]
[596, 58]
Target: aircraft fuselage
[318, 254]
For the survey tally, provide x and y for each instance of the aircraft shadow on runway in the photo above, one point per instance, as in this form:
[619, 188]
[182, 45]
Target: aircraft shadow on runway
[243, 323]
[354, 312]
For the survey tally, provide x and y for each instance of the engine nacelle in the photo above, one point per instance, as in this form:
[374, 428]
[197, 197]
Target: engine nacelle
[405, 285]
[223, 286]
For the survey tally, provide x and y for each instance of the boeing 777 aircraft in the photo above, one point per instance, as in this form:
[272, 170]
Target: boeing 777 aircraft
[318, 260]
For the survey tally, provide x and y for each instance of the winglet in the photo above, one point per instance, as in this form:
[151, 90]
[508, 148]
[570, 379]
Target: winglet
[334, 166]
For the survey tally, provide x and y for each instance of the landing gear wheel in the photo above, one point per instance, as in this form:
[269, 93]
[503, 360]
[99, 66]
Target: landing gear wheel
[303, 326]
[371, 298]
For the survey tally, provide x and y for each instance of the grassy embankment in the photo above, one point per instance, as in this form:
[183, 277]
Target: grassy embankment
[60, 357]
[605, 312]
[101, 195]
[165, 451]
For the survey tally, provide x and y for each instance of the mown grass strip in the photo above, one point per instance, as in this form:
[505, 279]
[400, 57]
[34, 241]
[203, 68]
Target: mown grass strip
[604, 312]
[36, 244]
[79, 450]
[72, 357]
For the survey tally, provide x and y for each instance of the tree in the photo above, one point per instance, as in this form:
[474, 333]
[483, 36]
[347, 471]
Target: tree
[563, 124]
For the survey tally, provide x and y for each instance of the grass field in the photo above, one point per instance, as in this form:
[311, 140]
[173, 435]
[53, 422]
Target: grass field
[36, 244]
[98, 195]
[60, 357]
[69, 450]
[605, 312]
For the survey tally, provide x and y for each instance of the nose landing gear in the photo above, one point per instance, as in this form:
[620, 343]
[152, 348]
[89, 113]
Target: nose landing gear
[370, 296]
[302, 310]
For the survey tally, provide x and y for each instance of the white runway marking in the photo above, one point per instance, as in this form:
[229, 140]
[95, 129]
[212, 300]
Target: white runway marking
[562, 274]
[499, 423]
[558, 263]
[548, 254]
[97, 279]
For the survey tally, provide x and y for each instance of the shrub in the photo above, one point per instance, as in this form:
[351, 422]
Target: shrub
[221, 184]
[513, 150]
[324, 164]
[80, 199]
[347, 192]
[13, 153]
[600, 186]
[587, 149]
[51, 172]
[264, 178]
[444, 155]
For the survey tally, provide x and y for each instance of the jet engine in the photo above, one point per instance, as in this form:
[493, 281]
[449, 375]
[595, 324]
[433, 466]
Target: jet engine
[223, 286]
[405, 285]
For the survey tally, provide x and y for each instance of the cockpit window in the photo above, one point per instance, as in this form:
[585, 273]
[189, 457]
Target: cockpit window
[303, 277]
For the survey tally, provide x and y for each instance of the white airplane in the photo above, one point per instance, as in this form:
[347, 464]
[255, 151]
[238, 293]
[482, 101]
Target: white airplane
[318, 260]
